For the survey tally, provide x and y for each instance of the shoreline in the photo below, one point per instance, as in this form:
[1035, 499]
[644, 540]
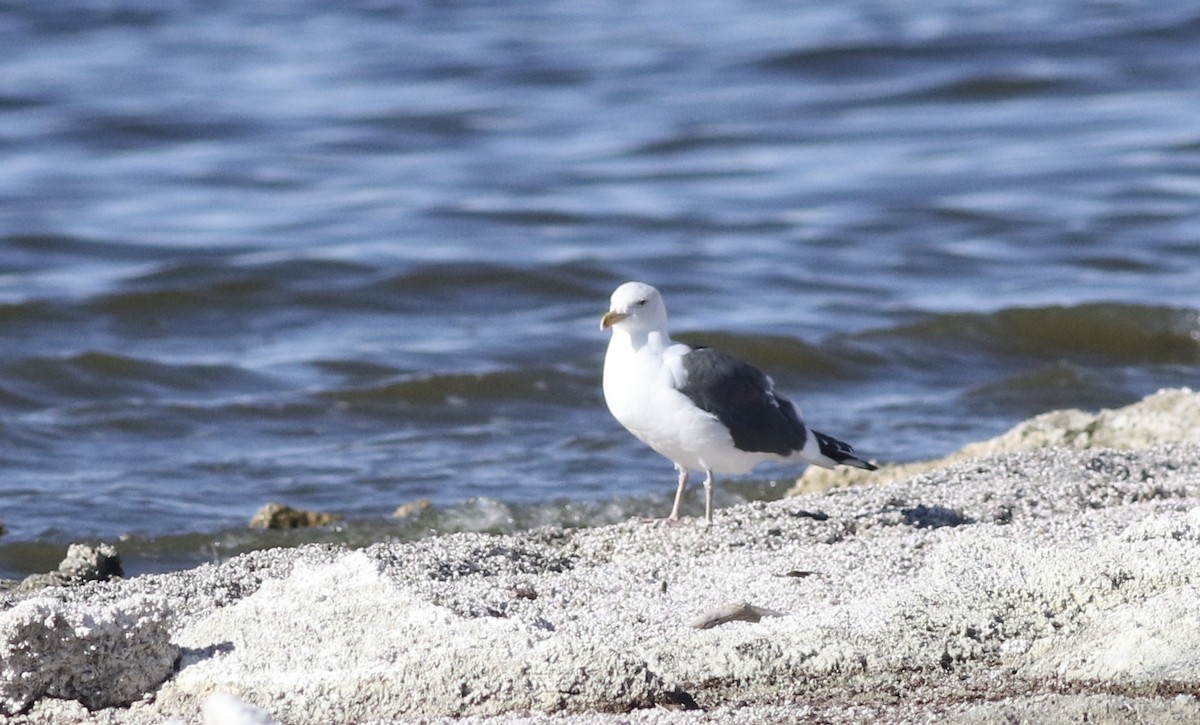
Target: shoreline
[1050, 584]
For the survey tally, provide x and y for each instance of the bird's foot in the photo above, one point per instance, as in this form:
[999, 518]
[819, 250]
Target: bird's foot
[673, 523]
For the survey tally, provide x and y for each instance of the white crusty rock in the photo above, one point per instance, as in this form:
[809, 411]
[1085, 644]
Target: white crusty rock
[363, 640]
[102, 655]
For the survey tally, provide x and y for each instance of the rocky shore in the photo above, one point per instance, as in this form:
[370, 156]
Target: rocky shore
[1166, 417]
[1051, 585]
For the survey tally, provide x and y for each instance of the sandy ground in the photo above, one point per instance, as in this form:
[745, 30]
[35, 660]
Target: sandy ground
[1052, 585]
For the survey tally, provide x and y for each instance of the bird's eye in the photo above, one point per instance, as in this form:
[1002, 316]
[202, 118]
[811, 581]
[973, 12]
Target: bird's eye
[641, 303]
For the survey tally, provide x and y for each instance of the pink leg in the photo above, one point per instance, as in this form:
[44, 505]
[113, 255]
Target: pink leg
[683, 479]
[673, 519]
[708, 488]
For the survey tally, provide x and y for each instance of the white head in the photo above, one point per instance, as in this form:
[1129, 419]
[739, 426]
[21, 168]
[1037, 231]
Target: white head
[636, 307]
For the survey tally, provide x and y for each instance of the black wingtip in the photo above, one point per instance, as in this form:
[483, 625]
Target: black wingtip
[841, 452]
[860, 463]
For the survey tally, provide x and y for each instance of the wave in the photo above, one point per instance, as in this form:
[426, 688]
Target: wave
[1116, 333]
[94, 375]
[827, 360]
[292, 286]
[45, 247]
[494, 284]
[545, 386]
[32, 312]
[221, 284]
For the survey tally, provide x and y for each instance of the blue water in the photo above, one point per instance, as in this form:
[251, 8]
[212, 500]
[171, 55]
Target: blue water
[351, 255]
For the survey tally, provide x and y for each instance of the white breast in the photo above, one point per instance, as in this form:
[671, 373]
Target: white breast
[640, 390]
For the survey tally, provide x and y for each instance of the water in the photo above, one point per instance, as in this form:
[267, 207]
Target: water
[352, 255]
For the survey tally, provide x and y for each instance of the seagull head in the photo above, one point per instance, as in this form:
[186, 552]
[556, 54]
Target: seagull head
[636, 306]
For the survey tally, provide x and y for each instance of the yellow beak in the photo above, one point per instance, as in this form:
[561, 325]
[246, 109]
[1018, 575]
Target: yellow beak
[611, 318]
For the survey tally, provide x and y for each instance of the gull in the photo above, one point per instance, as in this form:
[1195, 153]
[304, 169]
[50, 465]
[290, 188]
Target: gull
[702, 409]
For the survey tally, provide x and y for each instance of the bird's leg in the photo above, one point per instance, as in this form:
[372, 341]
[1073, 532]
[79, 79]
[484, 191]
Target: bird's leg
[683, 479]
[708, 488]
[673, 519]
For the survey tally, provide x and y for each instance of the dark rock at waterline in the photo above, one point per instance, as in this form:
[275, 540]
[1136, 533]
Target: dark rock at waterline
[83, 563]
[282, 516]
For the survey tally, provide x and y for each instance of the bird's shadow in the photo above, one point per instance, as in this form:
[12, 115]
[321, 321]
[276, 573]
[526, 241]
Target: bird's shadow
[189, 656]
[934, 517]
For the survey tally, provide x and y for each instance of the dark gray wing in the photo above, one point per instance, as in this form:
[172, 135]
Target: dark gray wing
[742, 398]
